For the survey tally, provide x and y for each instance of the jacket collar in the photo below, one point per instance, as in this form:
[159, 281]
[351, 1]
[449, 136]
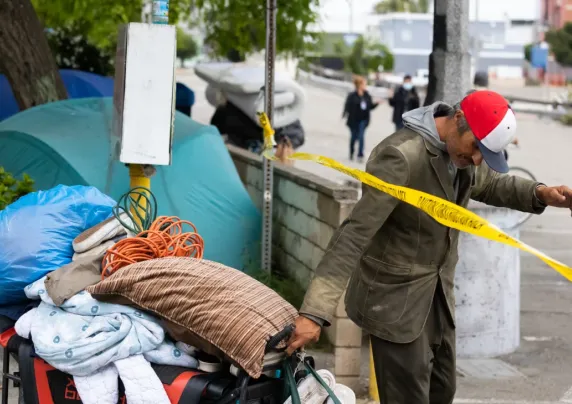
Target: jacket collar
[439, 165]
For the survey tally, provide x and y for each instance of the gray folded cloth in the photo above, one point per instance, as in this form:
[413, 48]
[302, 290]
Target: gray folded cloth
[98, 251]
[74, 277]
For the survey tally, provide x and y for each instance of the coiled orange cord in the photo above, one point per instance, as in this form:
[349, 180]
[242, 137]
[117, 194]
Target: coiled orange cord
[165, 238]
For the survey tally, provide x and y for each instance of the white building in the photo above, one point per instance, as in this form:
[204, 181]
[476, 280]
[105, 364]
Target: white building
[410, 39]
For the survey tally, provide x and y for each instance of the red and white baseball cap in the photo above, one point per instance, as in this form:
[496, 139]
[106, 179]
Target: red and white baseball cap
[493, 123]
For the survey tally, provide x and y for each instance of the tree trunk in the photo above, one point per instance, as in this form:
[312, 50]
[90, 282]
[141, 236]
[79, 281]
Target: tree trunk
[25, 56]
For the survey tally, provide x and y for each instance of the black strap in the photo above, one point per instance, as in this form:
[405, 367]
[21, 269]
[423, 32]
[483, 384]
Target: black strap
[196, 386]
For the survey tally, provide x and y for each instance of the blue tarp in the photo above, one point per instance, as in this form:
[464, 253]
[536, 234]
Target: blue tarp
[539, 56]
[69, 142]
[37, 231]
[81, 84]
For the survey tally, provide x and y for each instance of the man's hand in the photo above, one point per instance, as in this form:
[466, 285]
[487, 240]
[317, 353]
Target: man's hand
[306, 331]
[560, 197]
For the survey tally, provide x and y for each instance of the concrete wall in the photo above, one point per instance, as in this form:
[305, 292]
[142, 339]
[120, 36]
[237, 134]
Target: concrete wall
[307, 211]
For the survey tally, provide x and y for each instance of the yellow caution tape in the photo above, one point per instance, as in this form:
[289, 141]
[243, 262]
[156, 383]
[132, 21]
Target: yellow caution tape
[443, 211]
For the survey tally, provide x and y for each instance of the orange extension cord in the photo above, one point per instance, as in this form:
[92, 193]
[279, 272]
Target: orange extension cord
[165, 238]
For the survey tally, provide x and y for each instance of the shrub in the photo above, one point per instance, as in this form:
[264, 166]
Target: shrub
[11, 189]
[566, 119]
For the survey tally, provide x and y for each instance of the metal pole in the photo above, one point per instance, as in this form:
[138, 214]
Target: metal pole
[477, 49]
[271, 6]
[351, 16]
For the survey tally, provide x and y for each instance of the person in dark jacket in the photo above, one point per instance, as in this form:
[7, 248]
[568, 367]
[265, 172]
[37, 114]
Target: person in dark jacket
[357, 111]
[404, 99]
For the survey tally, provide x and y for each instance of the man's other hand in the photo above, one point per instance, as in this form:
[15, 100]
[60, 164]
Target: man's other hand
[306, 331]
[560, 197]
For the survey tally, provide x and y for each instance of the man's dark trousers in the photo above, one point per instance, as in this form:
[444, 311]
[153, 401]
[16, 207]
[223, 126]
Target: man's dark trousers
[423, 371]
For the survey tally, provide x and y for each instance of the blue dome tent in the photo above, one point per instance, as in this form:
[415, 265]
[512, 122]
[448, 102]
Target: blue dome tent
[78, 84]
[70, 142]
[81, 84]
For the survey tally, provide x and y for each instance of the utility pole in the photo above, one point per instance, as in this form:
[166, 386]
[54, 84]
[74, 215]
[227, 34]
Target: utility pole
[477, 42]
[351, 15]
[450, 60]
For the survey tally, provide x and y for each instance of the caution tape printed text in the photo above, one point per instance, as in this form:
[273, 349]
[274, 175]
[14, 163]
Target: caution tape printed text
[443, 211]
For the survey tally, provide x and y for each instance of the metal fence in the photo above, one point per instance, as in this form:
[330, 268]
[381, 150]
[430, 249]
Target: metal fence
[337, 86]
[554, 108]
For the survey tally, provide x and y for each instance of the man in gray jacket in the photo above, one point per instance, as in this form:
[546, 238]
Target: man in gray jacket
[400, 262]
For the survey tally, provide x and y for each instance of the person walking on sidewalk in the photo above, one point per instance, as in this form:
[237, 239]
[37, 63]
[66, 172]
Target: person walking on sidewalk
[357, 111]
[403, 100]
[400, 262]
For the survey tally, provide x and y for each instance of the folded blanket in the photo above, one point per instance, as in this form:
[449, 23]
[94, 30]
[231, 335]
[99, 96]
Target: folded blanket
[142, 386]
[242, 85]
[84, 336]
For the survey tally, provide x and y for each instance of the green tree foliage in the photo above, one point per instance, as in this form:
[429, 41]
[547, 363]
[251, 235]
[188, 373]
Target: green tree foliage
[231, 26]
[356, 62]
[339, 48]
[379, 55]
[239, 26]
[400, 6]
[186, 45]
[95, 20]
[73, 51]
[367, 56]
[11, 189]
[528, 51]
[560, 42]
[83, 33]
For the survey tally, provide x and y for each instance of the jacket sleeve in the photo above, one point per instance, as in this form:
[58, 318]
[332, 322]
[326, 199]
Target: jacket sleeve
[372, 105]
[346, 106]
[506, 191]
[416, 101]
[353, 236]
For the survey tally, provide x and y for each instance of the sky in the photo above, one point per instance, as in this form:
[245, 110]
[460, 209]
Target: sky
[335, 14]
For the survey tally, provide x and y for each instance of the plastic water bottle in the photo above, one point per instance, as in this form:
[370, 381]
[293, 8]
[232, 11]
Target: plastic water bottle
[160, 11]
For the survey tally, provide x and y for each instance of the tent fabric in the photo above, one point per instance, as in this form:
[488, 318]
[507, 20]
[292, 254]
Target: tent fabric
[78, 84]
[70, 142]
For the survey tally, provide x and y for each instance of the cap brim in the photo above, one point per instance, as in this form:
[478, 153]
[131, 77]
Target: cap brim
[496, 161]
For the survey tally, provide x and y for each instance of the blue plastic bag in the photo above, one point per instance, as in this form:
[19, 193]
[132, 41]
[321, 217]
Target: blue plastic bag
[36, 234]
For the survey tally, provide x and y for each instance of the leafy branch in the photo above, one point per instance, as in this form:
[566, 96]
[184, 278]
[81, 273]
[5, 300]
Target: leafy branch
[12, 189]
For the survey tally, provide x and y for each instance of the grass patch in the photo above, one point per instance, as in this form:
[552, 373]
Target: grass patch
[293, 293]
